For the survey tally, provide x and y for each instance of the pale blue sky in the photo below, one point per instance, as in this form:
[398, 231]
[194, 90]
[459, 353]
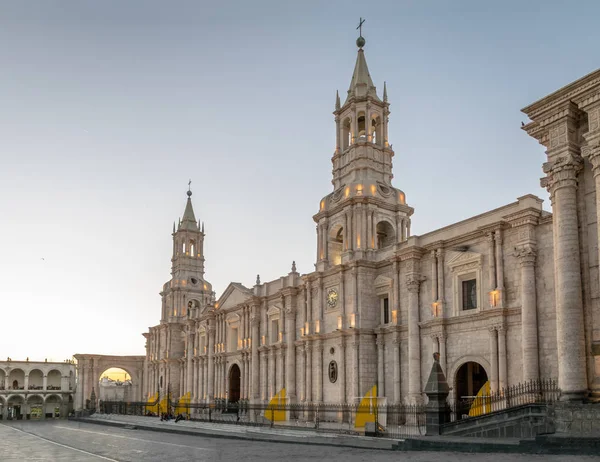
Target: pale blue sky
[108, 108]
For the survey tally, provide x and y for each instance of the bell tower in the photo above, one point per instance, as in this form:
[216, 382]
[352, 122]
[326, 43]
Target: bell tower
[364, 214]
[187, 293]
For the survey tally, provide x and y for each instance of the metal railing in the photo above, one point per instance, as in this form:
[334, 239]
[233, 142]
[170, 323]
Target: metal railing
[390, 420]
[544, 391]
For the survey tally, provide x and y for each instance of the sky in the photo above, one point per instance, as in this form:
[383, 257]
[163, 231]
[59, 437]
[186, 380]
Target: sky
[108, 108]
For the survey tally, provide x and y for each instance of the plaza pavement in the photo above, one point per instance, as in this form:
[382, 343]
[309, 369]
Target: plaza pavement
[67, 441]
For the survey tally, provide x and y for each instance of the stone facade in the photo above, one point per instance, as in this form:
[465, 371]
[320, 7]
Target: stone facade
[512, 293]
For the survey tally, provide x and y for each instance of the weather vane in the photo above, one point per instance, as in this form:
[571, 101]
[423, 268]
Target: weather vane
[360, 23]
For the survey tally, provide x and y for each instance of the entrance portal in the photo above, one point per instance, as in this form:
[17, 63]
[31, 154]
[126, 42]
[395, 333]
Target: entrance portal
[470, 379]
[234, 384]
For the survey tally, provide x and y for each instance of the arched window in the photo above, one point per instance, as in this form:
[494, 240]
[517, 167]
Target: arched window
[346, 134]
[362, 126]
[336, 245]
[377, 130]
[385, 234]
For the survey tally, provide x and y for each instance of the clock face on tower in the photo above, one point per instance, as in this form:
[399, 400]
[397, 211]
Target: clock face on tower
[332, 298]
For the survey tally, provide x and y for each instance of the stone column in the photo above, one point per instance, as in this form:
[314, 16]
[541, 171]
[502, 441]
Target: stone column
[211, 364]
[493, 360]
[342, 370]
[355, 360]
[502, 366]
[319, 348]
[397, 368]
[561, 181]
[380, 366]
[491, 266]
[309, 387]
[255, 322]
[264, 393]
[243, 389]
[272, 366]
[434, 285]
[189, 371]
[442, 340]
[396, 292]
[499, 269]
[290, 339]
[413, 282]
[529, 328]
[440, 281]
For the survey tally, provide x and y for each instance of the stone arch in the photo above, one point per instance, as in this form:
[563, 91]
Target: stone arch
[91, 367]
[335, 243]
[16, 406]
[361, 125]
[53, 379]
[16, 379]
[53, 404]
[35, 406]
[455, 367]
[386, 234]
[35, 379]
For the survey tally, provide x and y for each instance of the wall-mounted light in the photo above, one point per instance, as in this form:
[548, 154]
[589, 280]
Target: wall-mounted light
[395, 317]
[352, 320]
[306, 328]
[317, 326]
[340, 323]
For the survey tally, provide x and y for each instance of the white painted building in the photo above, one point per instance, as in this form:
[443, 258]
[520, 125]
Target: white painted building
[36, 390]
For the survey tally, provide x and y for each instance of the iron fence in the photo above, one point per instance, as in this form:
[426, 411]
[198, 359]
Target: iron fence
[389, 420]
[543, 391]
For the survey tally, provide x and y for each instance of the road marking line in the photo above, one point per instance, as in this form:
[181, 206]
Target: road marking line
[62, 445]
[136, 439]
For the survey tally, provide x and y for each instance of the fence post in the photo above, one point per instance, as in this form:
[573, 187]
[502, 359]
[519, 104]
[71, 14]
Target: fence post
[437, 390]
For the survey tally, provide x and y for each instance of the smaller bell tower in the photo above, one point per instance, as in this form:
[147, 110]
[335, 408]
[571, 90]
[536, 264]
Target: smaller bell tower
[187, 293]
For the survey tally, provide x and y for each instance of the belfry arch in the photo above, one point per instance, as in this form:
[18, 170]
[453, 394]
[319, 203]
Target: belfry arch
[91, 367]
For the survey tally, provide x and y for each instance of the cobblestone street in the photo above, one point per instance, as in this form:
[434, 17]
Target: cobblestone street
[72, 441]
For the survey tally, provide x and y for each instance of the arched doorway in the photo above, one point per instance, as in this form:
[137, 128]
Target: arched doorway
[234, 384]
[471, 377]
[115, 384]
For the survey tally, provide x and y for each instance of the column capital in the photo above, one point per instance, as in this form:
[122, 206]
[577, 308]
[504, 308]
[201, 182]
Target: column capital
[526, 254]
[492, 329]
[413, 282]
[562, 172]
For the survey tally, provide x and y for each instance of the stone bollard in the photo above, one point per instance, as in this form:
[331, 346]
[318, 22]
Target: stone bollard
[437, 390]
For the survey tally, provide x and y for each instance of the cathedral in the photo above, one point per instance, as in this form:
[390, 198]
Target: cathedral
[508, 296]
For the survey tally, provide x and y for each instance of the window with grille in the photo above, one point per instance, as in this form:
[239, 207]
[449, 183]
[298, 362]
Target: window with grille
[469, 294]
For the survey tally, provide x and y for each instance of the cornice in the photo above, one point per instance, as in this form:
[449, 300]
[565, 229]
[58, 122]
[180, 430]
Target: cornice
[573, 91]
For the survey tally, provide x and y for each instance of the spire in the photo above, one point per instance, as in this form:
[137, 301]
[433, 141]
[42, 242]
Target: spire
[173, 226]
[189, 219]
[384, 93]
[337, 101]
[361, 84]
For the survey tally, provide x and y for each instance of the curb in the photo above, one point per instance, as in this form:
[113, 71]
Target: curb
[336, 441]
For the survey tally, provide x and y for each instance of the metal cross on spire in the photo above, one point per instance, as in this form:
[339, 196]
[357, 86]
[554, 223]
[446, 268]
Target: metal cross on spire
[360, 23]
[189, 193]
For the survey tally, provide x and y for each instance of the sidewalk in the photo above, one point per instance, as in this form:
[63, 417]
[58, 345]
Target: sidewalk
[220, 430]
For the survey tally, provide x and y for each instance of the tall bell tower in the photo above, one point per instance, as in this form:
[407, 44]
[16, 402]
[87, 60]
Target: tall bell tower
[187, 290]
[364, 214]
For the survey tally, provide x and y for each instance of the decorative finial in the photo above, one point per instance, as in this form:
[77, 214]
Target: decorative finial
[202, 226]
[179, 223]
[360, 41]
[189, 192]
[436, 357]
[173, 226]
[337, 101]
[258, 279]
[294, 266]
[384, 92]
